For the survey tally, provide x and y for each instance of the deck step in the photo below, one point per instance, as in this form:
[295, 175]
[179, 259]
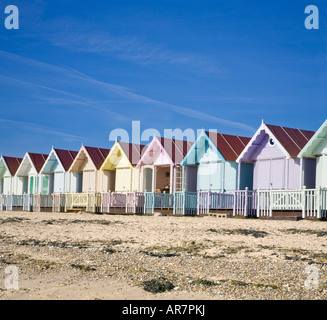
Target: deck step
[74, 210]
[290, 218]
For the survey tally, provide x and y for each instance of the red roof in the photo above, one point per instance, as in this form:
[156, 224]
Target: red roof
[66, 157]
[98, 155]
[38, 160]
[293, 140]
[229, 146]
[176, 149]
[133, 151]
[13, 164]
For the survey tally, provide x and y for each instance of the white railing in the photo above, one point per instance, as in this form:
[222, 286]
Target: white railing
[28, 200]
[245, 203]
[2, 202]
[311, 202]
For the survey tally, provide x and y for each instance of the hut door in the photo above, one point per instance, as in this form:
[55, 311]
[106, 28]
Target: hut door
[24, 181]
[215, 176]
[263, 174]
[45, 185]
[31, 185]
[204, 176]
[277, 173]
[147, 179]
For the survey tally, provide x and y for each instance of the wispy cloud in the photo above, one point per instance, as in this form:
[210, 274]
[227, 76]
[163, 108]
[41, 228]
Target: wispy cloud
[77, 36]
[120, 93]
[129, 95]
[36, 128]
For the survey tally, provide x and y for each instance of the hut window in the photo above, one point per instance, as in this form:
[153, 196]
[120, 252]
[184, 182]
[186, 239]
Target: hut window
[271, 142]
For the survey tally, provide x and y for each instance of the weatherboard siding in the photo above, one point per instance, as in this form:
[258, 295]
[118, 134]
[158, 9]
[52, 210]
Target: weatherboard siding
[321, 174]
[213, 172]
[190, 178]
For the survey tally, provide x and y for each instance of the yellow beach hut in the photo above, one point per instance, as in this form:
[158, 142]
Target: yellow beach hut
[119, 172]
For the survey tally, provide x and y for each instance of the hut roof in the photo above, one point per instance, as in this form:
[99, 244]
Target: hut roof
[133, 151]
[313, 147]
[293, 140]
[38, 160]
[98, 155]
[66, 157]
[228, 145]
[12, 164]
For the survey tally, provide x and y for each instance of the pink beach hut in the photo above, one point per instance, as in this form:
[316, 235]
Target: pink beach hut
[160, 167]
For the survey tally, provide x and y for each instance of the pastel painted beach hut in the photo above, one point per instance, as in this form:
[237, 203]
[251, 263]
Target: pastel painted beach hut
[28, 173]
[119, 168]
[55, 175]
[317, 148]
[273, 151]
[85, 174]
[211, 163]
[9, 183]
[160, 165]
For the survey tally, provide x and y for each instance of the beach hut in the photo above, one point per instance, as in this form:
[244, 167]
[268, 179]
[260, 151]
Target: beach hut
[55, 175]
[317, 148]
[119, 168]
[28, 173]
[211, 163]
[273, 151]
[160, 165]
[85, 174]
[9, 183]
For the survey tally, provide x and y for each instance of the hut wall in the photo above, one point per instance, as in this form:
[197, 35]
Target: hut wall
[231, 174]
[321, 173]
[190, 178]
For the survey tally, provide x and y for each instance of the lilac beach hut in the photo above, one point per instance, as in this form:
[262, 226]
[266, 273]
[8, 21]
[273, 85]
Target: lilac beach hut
[273, 151]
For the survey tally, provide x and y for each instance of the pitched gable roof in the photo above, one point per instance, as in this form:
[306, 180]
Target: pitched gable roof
[38, 160]
[132, 151]
[66, 157]
[228, 145]
[176, 149]
[12, 164]
[98, 155]
[293, 140]
[312, 148]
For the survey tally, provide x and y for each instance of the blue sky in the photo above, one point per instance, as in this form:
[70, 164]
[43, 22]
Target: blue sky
[76, 70]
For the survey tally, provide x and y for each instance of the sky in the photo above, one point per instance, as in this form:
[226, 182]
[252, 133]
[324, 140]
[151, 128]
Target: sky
[76, 71]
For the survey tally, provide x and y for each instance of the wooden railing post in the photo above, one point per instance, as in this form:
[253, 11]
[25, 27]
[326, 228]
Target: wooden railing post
[153, 201]
[270, 201]
[318, 194]
[174, 202]
[258, 204]
[303, 202]
[246, 202]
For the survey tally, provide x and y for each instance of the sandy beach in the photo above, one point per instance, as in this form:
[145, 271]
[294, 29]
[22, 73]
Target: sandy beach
[89, 256]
